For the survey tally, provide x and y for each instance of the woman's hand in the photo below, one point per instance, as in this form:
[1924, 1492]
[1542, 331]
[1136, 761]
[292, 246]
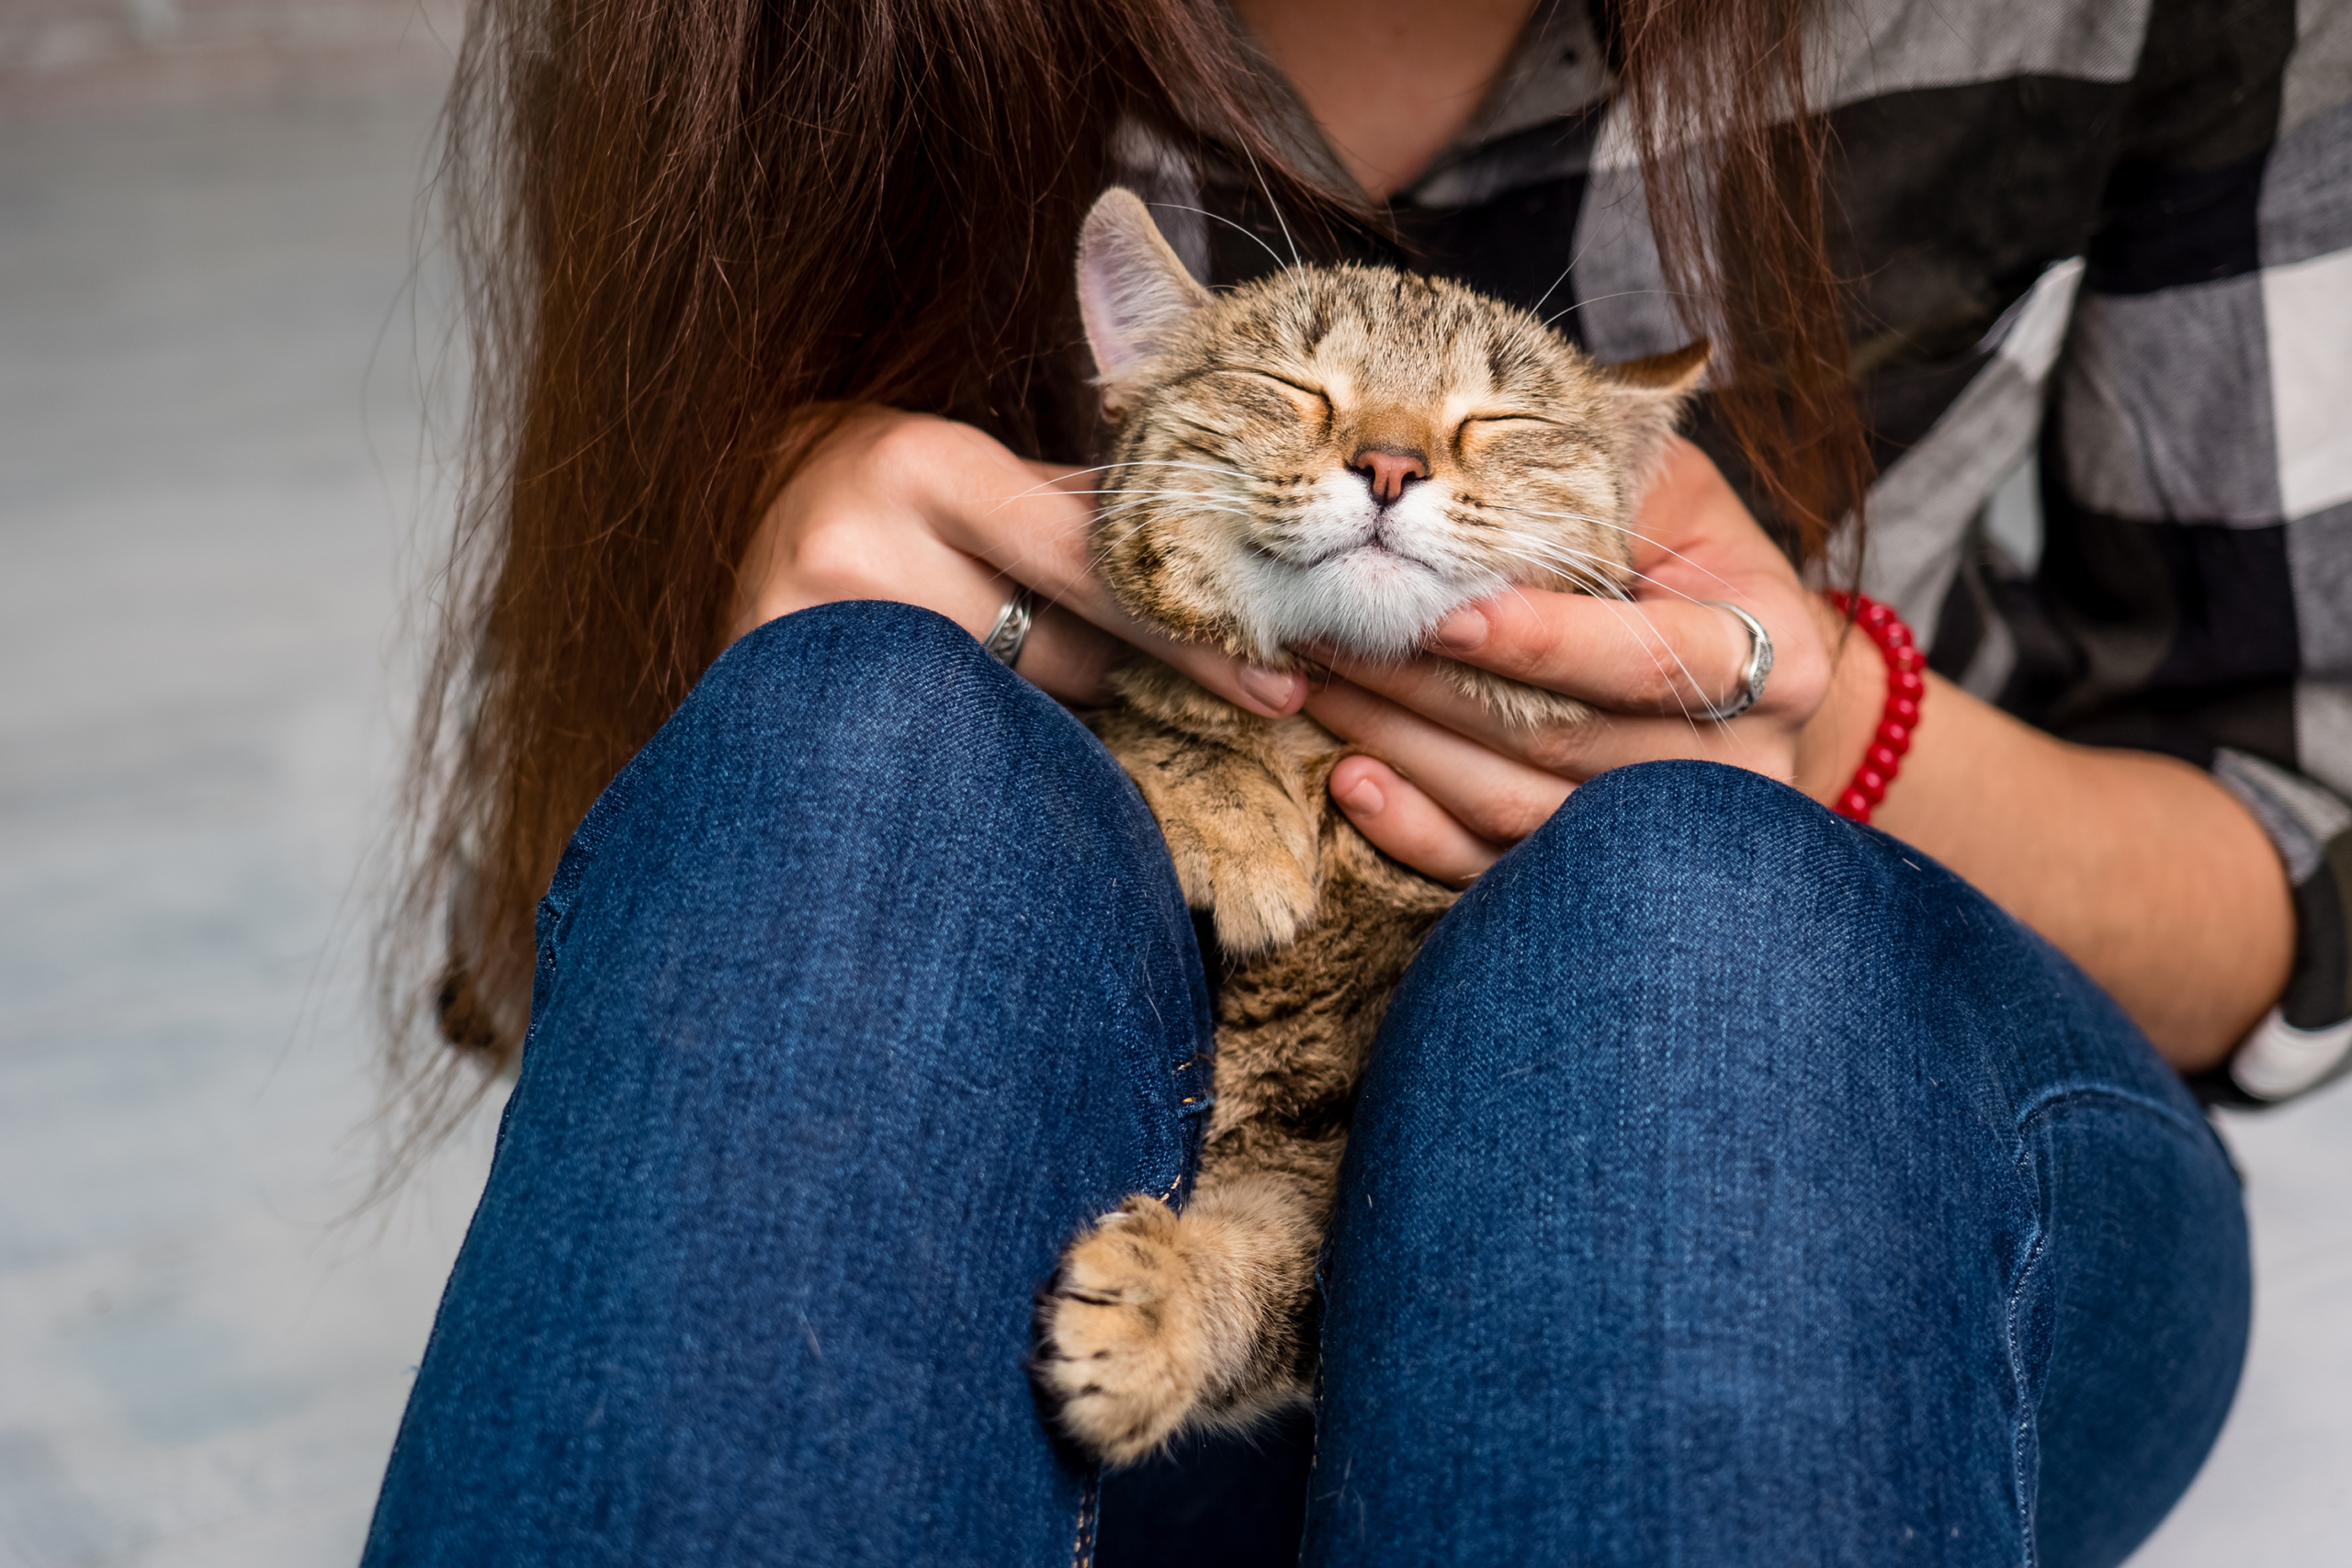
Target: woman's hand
[2140, 868]
[924, 511]
[1446, 788]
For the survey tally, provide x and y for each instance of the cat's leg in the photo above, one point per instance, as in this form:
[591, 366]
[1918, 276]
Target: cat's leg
[1158, 1321]
[1244, 841]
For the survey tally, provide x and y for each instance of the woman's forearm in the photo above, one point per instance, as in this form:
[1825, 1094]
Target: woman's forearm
[2141, 869]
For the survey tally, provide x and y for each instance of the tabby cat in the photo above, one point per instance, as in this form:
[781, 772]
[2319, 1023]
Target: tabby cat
[1338, 454]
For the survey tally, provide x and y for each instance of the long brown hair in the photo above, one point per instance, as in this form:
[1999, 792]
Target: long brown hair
[681, 220]
[1732, 164]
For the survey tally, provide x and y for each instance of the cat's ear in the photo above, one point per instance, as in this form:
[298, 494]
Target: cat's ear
[1131, 291]
[1650, 394]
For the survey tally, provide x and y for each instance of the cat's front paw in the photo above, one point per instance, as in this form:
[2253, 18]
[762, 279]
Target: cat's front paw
[1252, 868]
[1121, 1361]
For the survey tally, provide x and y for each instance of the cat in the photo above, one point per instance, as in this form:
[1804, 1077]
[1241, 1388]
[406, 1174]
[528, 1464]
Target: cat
[1342, 454]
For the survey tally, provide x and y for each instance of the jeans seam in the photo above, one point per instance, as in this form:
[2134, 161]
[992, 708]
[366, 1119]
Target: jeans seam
[2054, 1100]
[2030, 1119]
[2028, 1414]
[1081, 1551]
[587, 839]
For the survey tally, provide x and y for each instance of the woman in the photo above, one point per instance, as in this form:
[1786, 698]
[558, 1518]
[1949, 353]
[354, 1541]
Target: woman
[1730, 1184]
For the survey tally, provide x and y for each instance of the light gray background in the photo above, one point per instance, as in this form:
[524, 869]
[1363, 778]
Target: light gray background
[210, 503]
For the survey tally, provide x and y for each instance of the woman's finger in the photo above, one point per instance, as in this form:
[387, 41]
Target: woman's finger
[1066, 656]
[1423, 686]
[1656, 656]
[1493, 796]
[1041, 532]
[1406, 825]
[1568, 750]
[868, 551]
[1615, 742]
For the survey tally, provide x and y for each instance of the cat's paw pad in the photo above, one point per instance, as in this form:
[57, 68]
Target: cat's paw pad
[1119, 1360]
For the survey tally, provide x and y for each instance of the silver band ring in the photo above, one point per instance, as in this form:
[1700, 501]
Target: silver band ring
[1759, 665]
[1005, 639]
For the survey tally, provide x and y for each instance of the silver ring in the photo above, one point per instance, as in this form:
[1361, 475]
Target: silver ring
[1759, 665]
[1012, 629]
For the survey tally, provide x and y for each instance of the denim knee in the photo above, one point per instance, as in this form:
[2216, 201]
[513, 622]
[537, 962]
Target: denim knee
[852, 804]
[855, 708]
[876, 694]
[1697, 1155]
[1692, 913]
[863, 987]
[867, 791]
[1710, 866]
[1667, 912]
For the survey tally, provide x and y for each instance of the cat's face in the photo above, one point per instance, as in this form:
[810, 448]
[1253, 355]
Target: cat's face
[1347, 454]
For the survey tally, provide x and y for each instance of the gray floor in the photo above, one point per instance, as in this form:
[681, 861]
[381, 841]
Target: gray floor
[207, 489]
[206, 478]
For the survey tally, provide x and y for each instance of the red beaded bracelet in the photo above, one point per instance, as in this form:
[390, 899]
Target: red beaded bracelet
[1906, 683]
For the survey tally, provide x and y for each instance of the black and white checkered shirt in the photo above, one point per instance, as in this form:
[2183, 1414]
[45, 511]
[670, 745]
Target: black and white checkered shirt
[2102, 265]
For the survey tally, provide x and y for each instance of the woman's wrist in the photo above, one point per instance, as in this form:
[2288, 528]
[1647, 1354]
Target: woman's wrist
[1832, 744]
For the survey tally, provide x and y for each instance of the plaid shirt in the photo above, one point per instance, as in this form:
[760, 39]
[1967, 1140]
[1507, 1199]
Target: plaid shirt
[2103, 328]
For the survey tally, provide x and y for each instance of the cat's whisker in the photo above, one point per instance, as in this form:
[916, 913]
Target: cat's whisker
[1275, 207]
[1619, 528]
[1124, 498]
[1617, 591]
[1580, 578]
[1146, 494]
[1620, 294]
[1521, 594]
[1044, 485]
[1298, 266]
[1617, 595]
[1255, 238]
[1619, 601]
[1554, 550]
[1534, 311]
[1578, 568]
[1226, 468]
[1618, 605]
[1640, 536]
[1128, 498]
[1125, 493]
[1167, 463]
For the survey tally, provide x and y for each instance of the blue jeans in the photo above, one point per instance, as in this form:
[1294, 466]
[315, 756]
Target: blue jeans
[1730, 1184]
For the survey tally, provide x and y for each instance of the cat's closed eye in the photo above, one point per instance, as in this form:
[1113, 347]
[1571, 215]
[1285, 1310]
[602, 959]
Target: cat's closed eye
[1317, 393]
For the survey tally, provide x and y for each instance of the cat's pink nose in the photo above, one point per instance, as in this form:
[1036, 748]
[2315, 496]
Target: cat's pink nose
[1388, 470]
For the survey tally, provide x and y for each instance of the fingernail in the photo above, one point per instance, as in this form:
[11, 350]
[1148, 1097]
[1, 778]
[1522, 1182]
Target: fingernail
[1459, 632]
[1364, 799]
[1272, 690]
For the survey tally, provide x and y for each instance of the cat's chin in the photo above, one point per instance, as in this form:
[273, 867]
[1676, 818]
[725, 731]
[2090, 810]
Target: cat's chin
[1371, 602]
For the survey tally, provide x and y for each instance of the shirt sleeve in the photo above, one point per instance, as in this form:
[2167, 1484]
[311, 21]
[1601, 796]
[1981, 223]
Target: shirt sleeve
[2195, 577]
[2306, 1041]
